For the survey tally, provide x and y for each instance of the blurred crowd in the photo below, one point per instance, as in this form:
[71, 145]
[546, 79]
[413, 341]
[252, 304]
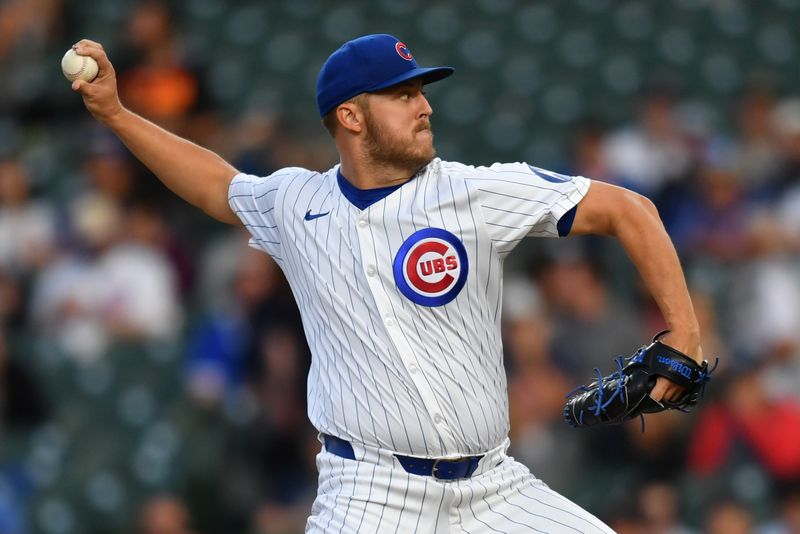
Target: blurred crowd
[95, 253]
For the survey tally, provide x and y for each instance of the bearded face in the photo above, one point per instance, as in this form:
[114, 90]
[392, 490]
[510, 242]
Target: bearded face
[385, 145]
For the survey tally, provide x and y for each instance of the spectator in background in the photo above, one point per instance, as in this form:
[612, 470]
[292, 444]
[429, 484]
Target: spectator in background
[252, 140]
[117, 289]
[138, 288]
[164, 515]
[577, 293]
[747, 417]
[658, 503]
[27, 30]
[270, 466]
[766, 297]
[766, 308]
[249, 356]
[728, 517]
[651, 153]
[27, 226]
[758, 153]
[63, 293]
[224, 348]
[746, 433]
[302, 145]
[536, 388]
[221, 259]
[261, 141]
[626, 520]
[147, 227]
[710, 215]
[27, 24]
[109, 169]
[112, 174]
[588, 156]
[156, 78]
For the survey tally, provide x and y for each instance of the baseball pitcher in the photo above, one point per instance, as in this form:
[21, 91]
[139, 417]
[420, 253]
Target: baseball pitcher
[396, 259]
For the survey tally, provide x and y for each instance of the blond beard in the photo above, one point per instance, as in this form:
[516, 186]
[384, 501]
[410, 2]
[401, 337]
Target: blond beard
[382, 147]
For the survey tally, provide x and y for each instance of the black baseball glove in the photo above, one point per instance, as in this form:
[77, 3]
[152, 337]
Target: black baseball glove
[625, 393]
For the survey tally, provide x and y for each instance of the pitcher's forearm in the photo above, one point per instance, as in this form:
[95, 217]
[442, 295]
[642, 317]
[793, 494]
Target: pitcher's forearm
[634, 221]
[642, 235]
[648, 245]
[192, 172]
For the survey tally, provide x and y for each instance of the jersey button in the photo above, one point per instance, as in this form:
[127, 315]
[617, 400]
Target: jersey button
[371, 270]
[362, 223]
[413, 368]
[438, 419]
[388, 321]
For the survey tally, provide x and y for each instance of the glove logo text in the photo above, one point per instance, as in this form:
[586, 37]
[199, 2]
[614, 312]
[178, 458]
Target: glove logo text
[677, 367]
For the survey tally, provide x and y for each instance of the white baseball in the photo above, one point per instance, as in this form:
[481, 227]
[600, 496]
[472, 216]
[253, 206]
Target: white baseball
[77, 67]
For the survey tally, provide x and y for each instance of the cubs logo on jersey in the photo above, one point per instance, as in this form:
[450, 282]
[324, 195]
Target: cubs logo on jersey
[431, 267]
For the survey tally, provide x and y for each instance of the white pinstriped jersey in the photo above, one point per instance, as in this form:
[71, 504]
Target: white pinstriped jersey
[401, 301]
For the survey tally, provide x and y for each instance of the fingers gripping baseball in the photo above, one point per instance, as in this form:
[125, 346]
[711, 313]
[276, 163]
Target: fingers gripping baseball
[100, 95]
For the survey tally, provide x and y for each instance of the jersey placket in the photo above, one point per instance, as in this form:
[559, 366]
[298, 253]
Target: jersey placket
[371, 253]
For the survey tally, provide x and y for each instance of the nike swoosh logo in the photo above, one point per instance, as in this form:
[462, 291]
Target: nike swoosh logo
[310, 217]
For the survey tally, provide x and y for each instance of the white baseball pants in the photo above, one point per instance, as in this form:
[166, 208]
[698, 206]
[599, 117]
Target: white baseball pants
[376, 495]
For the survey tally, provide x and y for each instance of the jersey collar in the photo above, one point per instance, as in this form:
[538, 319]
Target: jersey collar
[363, 198]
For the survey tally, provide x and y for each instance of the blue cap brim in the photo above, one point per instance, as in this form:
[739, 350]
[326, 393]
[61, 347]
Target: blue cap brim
[428, 75]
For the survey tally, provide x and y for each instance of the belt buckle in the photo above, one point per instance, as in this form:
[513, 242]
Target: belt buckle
[436, 466]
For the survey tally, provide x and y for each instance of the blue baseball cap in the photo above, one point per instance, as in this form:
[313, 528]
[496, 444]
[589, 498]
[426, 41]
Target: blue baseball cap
[369, 63]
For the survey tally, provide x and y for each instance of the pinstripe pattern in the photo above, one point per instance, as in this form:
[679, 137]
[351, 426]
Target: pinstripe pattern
[387, 372]
[391, 375]
[360, 496]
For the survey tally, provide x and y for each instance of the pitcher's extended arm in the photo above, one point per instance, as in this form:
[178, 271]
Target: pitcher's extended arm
[192, 172]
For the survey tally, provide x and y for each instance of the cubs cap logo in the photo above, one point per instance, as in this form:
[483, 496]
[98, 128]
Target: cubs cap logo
[404, 52]
[430, 268]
